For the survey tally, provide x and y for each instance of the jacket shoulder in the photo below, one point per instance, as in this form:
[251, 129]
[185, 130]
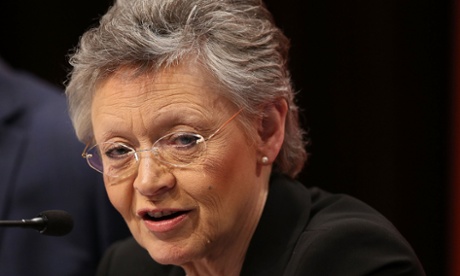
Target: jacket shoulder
[346, 235]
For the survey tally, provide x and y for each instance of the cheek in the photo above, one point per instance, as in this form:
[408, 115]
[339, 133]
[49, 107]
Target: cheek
[233, 162]
[120, 195]
[229, 174]
[225, 191]
[230, 156]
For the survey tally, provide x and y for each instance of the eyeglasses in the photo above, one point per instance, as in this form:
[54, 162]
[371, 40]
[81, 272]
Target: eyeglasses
[177, 149]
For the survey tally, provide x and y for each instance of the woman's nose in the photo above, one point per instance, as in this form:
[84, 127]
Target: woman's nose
[153, 178]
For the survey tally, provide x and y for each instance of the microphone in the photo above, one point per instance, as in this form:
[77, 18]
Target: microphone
[51, 223]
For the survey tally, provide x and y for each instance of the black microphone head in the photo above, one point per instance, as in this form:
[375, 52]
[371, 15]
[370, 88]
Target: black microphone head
[57, 223]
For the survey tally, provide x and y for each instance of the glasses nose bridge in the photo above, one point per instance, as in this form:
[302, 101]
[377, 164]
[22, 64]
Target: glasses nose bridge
[153, 150]
[157, 159]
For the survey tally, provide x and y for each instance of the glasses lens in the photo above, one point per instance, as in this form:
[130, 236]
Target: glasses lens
[178, 149]
[112, 159]
[181, 148]
[94, 159]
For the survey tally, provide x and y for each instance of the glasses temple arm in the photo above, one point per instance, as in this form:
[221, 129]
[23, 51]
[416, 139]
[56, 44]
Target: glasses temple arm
[225, 124]
[84, 154]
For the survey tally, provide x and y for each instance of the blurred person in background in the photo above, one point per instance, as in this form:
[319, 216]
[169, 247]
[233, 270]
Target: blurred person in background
[40, 170]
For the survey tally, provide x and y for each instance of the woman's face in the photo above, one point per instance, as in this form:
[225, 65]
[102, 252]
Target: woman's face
[192, 213]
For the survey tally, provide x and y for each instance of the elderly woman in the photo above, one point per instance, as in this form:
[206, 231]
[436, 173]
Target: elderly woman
[187, 110]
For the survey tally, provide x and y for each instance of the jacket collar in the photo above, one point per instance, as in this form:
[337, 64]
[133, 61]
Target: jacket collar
[285, 215]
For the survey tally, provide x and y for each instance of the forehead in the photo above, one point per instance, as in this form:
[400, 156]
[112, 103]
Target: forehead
[144, 105]
[169, 86]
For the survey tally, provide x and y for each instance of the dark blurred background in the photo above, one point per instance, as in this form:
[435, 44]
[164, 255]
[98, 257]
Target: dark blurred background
[374, 82]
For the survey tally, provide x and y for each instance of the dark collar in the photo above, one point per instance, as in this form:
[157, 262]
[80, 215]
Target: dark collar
[285, 215]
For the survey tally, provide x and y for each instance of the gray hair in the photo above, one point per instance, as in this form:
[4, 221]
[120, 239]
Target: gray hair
[235, 41]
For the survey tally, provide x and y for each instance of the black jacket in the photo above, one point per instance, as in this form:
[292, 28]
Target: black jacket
[302, 232]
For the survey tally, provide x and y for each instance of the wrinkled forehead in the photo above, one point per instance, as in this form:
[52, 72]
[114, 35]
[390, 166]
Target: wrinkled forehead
[172, 90]
[180, 83]
[162, 79]
[176, 89]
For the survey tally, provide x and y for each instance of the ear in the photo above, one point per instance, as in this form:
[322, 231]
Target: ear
[271, 131]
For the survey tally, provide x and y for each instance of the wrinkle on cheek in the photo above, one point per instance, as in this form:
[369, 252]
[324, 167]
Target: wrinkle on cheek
[212, 165]
[210, 201]
[213, 217]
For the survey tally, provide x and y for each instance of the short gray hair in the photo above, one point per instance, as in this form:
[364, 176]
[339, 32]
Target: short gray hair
[236, 41]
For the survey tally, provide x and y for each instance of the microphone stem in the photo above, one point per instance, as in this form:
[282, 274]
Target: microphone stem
[16, 223]
[30, 223]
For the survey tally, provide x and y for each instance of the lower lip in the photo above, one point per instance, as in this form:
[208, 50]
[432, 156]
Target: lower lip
[165, 225]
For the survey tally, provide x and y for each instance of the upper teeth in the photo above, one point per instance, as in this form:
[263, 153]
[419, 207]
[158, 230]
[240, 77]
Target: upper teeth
[160, 214]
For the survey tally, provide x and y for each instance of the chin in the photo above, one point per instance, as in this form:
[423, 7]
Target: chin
[168, 253]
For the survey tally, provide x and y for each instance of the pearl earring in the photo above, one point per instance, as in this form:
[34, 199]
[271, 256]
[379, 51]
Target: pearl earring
[264, 160]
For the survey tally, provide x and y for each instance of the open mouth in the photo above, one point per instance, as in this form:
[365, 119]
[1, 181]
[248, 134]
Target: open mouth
[164, 215]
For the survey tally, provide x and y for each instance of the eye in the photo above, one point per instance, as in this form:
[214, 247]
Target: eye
[181, 140]
[116, 150]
